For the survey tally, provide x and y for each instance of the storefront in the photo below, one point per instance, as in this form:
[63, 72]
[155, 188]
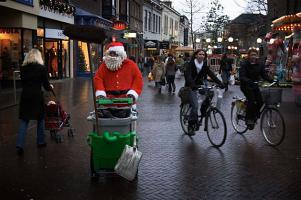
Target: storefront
[55, 48]
[83, 67]
[151, 47]
[14, 44]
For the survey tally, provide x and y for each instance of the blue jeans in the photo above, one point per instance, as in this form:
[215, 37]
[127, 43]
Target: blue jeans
[23, 129]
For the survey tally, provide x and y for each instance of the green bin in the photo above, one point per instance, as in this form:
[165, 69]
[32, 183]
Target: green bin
[107, 148]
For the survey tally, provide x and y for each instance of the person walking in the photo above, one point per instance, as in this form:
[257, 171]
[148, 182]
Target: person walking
[225, 70]
[33, 77]
[170, 69]
[158, 73]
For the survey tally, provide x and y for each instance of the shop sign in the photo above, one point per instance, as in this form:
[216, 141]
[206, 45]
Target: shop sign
[164, 45]
[150, 43]
[9, 31]
[26, 2]
[119, 25]
[55, 33]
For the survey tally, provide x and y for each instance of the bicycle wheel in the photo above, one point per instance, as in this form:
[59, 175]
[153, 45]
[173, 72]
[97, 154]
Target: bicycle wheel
[216, 127]
[184, 117]
[237, 120]
[272, 126]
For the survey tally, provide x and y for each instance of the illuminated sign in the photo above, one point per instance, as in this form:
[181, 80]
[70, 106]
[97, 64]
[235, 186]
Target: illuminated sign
[25, 2]
[9, 30]
[119, 25]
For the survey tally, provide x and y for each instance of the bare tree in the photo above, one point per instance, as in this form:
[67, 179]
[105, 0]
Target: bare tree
[257, 6]
[193, 7]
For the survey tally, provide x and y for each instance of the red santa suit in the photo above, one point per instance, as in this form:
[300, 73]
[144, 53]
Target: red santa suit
[118, 80]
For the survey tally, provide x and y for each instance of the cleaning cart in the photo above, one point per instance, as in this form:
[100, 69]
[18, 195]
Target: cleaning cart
[114, 135]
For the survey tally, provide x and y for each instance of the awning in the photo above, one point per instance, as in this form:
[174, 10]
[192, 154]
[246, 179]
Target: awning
[184, 49]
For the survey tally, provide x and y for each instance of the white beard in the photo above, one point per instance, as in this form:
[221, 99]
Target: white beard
[113, 63]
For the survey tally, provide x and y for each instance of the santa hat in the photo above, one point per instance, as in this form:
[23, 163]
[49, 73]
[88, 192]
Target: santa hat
[117, 47]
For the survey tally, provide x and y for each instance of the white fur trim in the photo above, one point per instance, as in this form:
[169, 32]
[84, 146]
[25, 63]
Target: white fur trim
[134, 93]
[116, 48]
[100, 92]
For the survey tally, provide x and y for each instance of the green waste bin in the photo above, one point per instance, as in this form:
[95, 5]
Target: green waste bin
[107, 148]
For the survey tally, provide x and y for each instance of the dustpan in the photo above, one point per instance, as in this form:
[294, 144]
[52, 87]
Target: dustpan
[127, 165]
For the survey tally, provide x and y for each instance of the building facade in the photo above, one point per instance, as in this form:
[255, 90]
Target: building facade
[28, 24]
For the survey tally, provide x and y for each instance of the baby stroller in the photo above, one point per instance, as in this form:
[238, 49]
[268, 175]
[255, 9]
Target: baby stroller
[56, 119]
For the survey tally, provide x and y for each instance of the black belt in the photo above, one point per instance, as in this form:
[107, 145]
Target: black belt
[117, 92]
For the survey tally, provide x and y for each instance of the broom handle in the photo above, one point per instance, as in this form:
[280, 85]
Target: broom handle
[93, 88]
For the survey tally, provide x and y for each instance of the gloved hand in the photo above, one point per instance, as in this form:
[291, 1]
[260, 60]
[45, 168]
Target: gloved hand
[131, 96]
[100, 97]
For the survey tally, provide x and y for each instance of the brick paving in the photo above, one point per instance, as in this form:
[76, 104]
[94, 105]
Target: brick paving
[174, 166]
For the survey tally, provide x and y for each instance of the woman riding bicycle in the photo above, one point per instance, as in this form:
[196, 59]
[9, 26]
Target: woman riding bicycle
[195, 74]
[249, 74]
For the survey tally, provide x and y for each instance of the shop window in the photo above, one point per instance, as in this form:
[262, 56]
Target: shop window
[10, 52]
[65, 58]
[83, 57]
[27, 41]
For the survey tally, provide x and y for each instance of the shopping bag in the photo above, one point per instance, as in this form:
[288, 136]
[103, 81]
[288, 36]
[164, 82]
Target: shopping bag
[150, 77]
[219, 76]
[232, 80]
[127, 165]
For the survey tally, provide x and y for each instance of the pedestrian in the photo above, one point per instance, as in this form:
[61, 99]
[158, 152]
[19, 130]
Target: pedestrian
[195, 74]
[249, 73]
[33, 77]
[140, 62]
[158, 73]
[118, 76]
[225, 70]
[170, 71]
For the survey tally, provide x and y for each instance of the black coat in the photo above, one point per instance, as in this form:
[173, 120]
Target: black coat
[250, 73]
[33, 77]
[194, 79]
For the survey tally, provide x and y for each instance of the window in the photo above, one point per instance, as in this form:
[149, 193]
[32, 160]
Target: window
[165, 25]
[171, 26]
[150, 21]
[154, 23]
[159, 24]
[145, 20]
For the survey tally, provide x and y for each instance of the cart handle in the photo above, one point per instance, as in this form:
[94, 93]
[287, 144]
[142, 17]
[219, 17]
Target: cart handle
[112, 101]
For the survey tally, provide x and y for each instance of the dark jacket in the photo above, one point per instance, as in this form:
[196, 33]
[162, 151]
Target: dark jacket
[194, 79]
[226, 65]
[250, 73]
[33, 77]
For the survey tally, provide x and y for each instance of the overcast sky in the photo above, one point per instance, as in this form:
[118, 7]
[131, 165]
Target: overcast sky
[232, 8]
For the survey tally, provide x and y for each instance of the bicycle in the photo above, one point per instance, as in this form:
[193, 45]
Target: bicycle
[215, 123]
[271, 119]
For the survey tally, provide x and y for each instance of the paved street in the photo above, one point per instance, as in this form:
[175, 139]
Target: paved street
[174, 166]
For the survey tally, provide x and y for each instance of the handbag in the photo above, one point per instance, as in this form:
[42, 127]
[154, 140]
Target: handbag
[150, 77]
[163, 82]
[184, 94]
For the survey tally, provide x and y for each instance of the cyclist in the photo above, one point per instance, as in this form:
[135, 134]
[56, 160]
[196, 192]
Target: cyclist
[249, 73]
[195, 75]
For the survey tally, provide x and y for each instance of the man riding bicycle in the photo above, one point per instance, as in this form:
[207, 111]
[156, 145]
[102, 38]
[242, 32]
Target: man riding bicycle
[195, 74]
[249, 74]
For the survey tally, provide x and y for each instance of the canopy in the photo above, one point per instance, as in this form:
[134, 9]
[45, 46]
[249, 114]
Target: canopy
[184, 49]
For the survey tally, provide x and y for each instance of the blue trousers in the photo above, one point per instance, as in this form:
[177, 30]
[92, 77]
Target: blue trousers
[23, 130]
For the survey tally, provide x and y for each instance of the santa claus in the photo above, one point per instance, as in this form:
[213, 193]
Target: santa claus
[117, 76]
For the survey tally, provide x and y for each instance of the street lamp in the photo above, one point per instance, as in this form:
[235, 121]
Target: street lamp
[208, 40]
[259, 40]
[198, 40]
[219, 39]
[230, 39]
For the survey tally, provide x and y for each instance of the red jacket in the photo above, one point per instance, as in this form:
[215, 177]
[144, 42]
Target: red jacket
[128, 77]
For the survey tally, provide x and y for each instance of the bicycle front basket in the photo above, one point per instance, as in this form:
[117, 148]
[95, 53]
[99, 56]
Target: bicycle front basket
[271, 96]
